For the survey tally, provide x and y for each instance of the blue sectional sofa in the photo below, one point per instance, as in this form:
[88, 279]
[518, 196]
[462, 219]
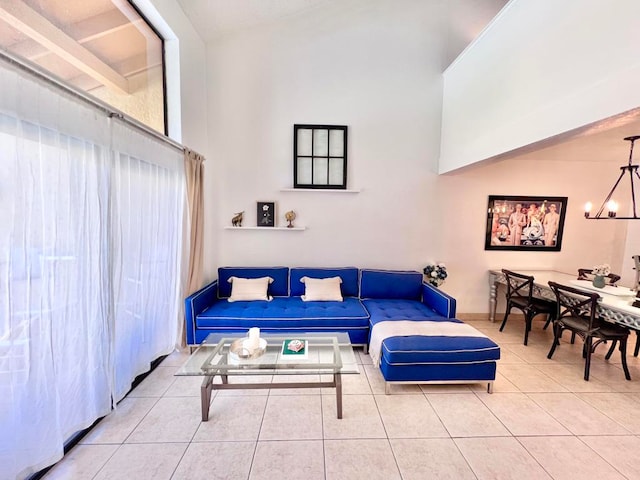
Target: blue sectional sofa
[416, 337]
[208, 311]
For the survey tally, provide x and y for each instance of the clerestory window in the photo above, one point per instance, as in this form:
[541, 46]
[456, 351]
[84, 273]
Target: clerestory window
[103, 47]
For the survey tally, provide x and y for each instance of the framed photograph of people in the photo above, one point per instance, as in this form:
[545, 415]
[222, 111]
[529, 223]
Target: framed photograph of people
[266, 214]
[525, 223]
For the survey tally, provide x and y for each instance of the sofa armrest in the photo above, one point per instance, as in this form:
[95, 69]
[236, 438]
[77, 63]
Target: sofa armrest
[197, 303]
[439, 301]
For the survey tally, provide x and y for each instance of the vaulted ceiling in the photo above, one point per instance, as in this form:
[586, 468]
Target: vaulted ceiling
[463, 20]
[103, 42]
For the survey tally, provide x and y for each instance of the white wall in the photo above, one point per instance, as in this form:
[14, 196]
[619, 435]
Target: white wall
[631, 248]
[376, 69]
[543, 67]
[373, 67]
[187, 89]
[585, 243]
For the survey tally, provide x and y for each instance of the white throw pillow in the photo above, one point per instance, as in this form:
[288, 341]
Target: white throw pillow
[244, 289]
[321, 289]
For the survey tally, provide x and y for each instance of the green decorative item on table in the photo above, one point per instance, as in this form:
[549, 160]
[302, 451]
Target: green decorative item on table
[600, 272]
[436, 273]
[294, 347]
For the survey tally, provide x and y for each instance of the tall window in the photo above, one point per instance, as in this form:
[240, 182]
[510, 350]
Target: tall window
[104, 47]
[320, 156]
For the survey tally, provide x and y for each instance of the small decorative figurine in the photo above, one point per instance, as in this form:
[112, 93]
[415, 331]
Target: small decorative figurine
[290, 216]
[236, 221]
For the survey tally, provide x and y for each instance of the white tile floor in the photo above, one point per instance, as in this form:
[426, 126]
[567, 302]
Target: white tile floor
[542, 421]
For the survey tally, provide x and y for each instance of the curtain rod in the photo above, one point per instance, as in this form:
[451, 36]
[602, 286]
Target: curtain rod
[36, 70]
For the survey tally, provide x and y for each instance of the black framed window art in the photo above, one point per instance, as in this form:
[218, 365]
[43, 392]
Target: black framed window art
[320, 156]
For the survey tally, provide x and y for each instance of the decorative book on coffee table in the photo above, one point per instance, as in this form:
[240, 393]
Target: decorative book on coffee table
[295, 348]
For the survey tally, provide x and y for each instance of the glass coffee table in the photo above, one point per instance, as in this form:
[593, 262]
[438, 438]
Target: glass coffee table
[223, 355]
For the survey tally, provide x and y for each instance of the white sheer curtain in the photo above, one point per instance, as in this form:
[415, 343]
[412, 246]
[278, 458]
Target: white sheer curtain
[90, 251]
[148, 199]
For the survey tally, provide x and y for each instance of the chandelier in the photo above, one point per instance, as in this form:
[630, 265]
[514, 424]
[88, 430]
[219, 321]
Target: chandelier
[609, 202]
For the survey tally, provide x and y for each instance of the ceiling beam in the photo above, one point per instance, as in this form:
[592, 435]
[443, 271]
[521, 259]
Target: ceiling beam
[31, 23]
[102, 25]
[84, 31]
[130, 67]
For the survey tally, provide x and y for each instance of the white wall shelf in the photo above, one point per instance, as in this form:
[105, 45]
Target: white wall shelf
[292, 229]
[320, 190]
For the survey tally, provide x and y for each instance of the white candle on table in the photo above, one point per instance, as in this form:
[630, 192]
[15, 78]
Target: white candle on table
[254, 337]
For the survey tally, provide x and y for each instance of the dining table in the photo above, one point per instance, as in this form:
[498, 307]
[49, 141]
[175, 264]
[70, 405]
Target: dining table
[614, 305]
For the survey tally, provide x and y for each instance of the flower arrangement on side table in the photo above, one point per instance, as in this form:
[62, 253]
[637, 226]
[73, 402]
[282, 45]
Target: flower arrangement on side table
[436, 273]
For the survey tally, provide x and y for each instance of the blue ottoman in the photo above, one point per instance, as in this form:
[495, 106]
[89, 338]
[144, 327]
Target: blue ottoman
[435, 351]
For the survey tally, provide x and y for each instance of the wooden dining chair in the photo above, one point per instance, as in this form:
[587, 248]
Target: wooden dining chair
[577, 313]
[636, 350]
[519, 295]
[587, 274]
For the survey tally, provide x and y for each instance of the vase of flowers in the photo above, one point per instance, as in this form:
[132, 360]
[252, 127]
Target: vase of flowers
[599, 273]
[435, 273]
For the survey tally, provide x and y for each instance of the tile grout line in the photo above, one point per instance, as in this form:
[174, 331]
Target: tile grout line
[603, 459]
[370, 380]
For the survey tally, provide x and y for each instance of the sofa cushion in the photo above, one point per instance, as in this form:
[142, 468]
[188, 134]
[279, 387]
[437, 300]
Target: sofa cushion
[243, 289]
[285, 313]
[321, 289]
[278, 288]
[381, 310]
[349, 276]
[443, 351]
[419, 350]
[393, 284]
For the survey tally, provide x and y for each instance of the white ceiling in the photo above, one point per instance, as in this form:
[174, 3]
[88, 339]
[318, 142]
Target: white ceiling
[212, 19]
[465, 19]
[598, 142]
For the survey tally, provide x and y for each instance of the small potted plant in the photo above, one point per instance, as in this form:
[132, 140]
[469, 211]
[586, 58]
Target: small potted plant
[599, 273]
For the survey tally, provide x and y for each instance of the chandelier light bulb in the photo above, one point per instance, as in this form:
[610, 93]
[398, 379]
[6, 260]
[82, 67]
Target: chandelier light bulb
[587, 209]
